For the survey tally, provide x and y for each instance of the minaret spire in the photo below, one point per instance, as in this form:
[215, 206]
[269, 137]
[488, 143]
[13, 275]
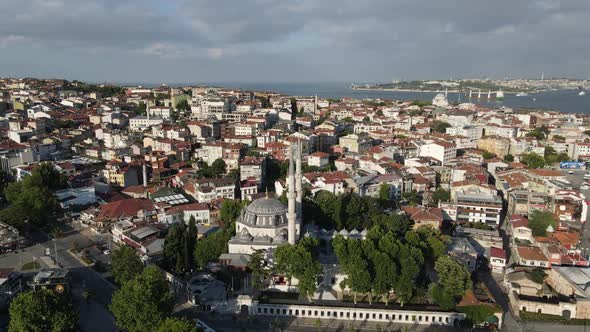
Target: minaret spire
[298, 184]
[291, 213]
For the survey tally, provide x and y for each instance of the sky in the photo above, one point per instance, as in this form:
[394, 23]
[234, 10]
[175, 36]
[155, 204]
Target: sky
[174, 41]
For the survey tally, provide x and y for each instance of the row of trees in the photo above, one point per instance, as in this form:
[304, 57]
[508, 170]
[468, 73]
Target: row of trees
[534, 160]
[179, 247]
[388, 262]
[350, 211]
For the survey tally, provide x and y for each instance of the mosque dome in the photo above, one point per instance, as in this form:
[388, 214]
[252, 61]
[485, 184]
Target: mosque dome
[265, 212]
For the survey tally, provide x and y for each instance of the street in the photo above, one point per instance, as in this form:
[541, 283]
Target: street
[94, 314]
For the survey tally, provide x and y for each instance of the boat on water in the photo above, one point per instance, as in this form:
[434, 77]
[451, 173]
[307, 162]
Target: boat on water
[522, 94]
[582, 93]
[500, 95]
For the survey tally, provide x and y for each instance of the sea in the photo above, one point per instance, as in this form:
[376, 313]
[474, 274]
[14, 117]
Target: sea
[567, 101]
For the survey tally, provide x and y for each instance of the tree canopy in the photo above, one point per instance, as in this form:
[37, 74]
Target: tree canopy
[179, 246]
[125, 263]
[296, 260]
[539, 221]
[230, 210]
[209, 248]
[440, 195]
[453, 281]
[532, 160]
[32, 200]
[487, 155]
[142, 303]
[508, 158]
[42, 310]
[173, 324]
[440, 127]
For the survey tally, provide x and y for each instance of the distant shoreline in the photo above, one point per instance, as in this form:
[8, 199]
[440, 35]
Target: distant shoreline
[425, 91]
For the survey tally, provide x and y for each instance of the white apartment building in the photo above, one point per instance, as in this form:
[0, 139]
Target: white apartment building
[471, 132]
[141, 122]
[439, 150]
[160, 112]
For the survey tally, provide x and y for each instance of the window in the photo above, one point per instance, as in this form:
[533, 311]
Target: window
[290, 312]
[539, 311]
[285, 311]
[380, 316]
[523, 308]
[265, 310]
[259, 310]
[272, 311]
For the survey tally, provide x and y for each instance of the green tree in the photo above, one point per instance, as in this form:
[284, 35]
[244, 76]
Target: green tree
[40, 311]
[551, 156]
[384, 193]
[297, 261]
[532, 160]
[508, 158]
[29, 201]
[412, 198]
[46, 175]
[183, 105]
[211, 247]
[540, 220]
[441, 127]
[487, 155]
[294, 108]
[440, 195]
[257, 266]
[142, 303]
[173, 253]
[453, 281]
[230, 210]
[125, 263]
[173, 324]
[4, 181]
[218, 168]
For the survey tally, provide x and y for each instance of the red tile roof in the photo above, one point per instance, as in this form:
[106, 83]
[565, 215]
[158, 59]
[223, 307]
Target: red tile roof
[497, 252]
[125, 208]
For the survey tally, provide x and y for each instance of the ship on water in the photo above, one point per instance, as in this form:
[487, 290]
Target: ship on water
[522, 94]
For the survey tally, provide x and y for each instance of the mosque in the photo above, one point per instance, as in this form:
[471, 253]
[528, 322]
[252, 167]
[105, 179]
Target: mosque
[266, 222]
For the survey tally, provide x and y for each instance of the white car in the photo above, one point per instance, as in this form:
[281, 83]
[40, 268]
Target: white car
[107, 252]
[584, 187]
[570, 172]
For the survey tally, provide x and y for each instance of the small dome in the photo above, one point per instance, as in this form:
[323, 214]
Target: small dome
[280, 238]
[262, 239]
[245, 235]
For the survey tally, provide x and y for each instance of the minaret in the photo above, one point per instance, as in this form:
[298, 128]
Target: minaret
[291, 213]
[172, 106]
[299, 185]
[144, 173]
[147, 109]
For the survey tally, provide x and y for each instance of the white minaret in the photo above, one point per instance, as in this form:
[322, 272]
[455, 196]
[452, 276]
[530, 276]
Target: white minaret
[172, 106]
[147, 109]
[299, 185]
[291, 213]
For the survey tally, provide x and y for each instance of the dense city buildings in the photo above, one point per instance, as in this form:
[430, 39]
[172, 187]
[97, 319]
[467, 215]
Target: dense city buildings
[295, 207]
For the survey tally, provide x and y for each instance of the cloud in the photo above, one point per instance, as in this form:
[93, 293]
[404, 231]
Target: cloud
[307, 39]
